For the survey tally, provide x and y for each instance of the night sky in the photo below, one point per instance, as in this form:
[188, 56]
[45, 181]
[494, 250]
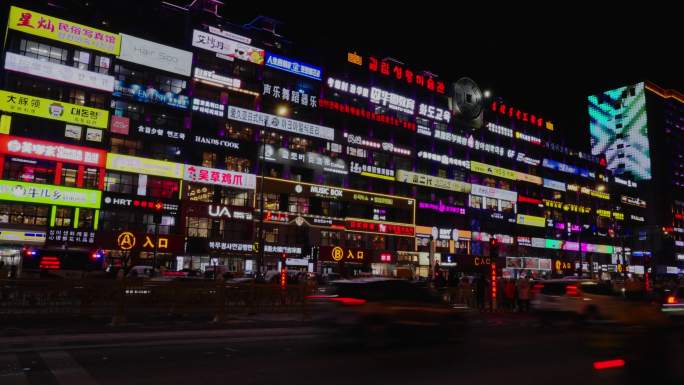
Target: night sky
[542, 60]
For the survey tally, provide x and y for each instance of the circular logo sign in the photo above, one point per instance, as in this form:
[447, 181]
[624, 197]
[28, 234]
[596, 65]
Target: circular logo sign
[298, 189]
[337, 253]
[125, 240]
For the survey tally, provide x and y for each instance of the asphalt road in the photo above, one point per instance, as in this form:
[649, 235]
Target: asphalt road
[494, 351]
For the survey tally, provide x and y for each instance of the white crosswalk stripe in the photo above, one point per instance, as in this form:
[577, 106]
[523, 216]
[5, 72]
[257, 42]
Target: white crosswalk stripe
[65, 369]
[11, 373]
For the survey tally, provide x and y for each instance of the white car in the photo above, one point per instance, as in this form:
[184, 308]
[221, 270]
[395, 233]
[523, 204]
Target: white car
[584, 299]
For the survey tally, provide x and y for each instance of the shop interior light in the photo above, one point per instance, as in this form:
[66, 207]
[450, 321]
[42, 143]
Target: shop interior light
[282, 110]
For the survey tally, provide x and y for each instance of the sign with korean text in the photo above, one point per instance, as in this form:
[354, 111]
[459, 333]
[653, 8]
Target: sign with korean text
[40, 149]
[343, 254]
[212, 78]
[632, 201]
[53, 28]
[161, 132]
[492, 170]
[155, 55]
[531, 220]
[230, 49]
[152, 204]
[231, 246]
[371, 171]
[220, 177]
[432, 181]
[280, 123]
[48, 194]
[53, 109]
[380, 227]
[293, 66]
[58, 72]
[147, 166]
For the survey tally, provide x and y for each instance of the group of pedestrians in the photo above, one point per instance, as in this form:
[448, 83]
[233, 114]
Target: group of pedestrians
[475, 291]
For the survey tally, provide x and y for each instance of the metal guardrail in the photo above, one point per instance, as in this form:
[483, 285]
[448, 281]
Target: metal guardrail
[126, 298]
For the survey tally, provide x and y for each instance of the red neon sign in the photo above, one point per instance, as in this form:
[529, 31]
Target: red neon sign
[383, 228]
[361, 113]
[521, 115]
[493, 282]
[58, 152]
[400, 73]
[524, 199]
[49, 263]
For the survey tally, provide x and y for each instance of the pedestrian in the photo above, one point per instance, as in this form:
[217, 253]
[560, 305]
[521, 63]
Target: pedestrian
[524, 295]
[464, 292]
[509, 294]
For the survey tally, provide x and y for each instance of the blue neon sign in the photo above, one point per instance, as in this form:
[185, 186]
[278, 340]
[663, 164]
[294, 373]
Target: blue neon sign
[293, 66]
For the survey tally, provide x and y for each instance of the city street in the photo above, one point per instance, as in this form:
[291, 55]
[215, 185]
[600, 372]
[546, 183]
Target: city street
[497, 349]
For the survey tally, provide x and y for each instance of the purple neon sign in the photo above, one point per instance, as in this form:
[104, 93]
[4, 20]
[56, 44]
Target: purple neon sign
[441, 207]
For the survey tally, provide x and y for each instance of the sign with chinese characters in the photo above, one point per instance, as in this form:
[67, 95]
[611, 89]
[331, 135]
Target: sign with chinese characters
[220, 177]
[149, 94]
[444, 159]
[280, 123]
[220, 211]
[531, 220]
[311, 159]
[520, 115]
[53, 109]
[554, 184]
[441, 207]
[492, 192]
[58, 72]
[155, 55]
[230, 246]
[110, 199]
[371, 171]
[375, 95]
[290, 95]
[632, 201]
[226, 48]
[70, 236]
[212, 78]
[277, 249]
[147, 166]
[395, 70]
[229, 144]
[293, 66]
[40, 149]
[136, 242]
[369, 115]
[471, 142]
[435, 113]
[52, 28]
[48, 194]
[22, 237]
[120, 125]
[160, 132]
[208, 107]
[380, 227]
[343, 254]
[567, 206]
[432, 181]
[385, 146]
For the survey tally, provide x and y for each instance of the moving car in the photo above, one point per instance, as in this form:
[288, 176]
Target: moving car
[590, 300]
[673, 303]
[372, 308]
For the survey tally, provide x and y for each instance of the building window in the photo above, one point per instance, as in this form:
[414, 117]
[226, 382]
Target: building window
[91, 178]
[126, 146]
[235, 198]
[168, 84]
[63, 216]
[102, 64]
[77, 97]
[18, 214]
[69, 176]
[198, 227]
[208, 159]
[98, 101]
[81, 59]
[331, 238]
[42, 51]
[120, 183]
[237, 164]
[165, 226]
[238, 133]
[161, 188]
[298, 205]
[28, 171]
[85, 218]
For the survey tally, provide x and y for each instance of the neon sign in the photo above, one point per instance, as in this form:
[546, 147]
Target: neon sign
[501, 130]
[520, 115]
[293, 66]
[220, 177]
[632, 201]
[371, 171]
[441, 207]
[48, 194]
[226, 48]
[386, 146]
[149, 94]
[399, 73]
[280, 123]
[432, 181]
[434, 113]
[381, 228]
[40, 149]
[471, 142]
[369, 115]
[288, 95]
[375, 95]
[219, 211]
[444, 159]
[208, 107]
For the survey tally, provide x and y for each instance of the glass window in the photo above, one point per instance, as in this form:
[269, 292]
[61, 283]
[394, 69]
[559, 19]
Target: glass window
[168, 84]
[237, 164]
[298, 205]
[235, 198]
[28, 171]
[42, 51]
[69, 176]
[91, 178]
[475, 201]
[77, 97]
[85, 218]
[238, 133]
[102, 64]
[126, 146]
[121, 183]
[209, 159]
[81, 59]
[63, 216]
[492, 204]
[98, 101]
[507, 207]
[19, 214]
[197, 227]
[161, 188]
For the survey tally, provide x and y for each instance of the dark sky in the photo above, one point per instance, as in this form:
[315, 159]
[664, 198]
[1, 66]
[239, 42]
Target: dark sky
[542, 59]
